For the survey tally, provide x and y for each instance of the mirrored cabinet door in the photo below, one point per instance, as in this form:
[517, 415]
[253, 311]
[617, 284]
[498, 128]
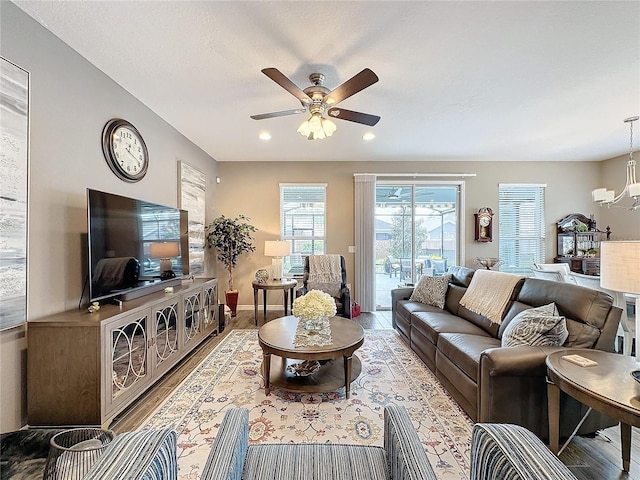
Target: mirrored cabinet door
[210, 309]
[128, 356]
[164, 348]
[192, 317]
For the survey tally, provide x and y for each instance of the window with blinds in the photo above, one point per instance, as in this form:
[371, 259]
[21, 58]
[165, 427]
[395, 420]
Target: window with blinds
[522, 227]
[302, 222]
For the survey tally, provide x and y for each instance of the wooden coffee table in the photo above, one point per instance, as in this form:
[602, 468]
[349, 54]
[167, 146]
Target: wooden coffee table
[607, 387]
[276, 340]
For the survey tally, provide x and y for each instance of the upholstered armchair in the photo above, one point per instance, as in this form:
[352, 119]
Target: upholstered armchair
[328, 274]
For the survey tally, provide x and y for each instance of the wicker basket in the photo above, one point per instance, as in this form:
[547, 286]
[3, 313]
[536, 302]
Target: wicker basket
[73, 452]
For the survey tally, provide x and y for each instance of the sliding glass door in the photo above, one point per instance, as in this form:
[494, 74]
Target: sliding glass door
[417, 231]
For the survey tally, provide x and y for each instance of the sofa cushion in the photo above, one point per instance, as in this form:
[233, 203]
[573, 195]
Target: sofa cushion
[581, 335]
[431, 290]
[286, 461]
[433, 323]
[464, 350]
[573, 301]
[536, 326]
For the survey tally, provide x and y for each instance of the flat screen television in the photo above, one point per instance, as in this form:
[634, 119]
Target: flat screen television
[134, 246]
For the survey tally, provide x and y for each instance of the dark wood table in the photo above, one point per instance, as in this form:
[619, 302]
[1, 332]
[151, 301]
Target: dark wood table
[607, 387]
[276, 340]
[286, 285]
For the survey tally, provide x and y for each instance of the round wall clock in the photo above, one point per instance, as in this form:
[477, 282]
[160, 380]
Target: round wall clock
[125, 150]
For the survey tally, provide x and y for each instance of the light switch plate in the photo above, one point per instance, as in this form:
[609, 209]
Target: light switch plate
[352, 249]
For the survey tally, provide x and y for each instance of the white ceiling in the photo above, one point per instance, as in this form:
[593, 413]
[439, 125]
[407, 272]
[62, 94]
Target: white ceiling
[507, 81]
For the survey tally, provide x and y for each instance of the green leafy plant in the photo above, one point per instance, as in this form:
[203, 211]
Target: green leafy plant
[230, 237]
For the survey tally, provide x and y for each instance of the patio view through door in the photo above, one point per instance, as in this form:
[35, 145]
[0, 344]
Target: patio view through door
[416, 233]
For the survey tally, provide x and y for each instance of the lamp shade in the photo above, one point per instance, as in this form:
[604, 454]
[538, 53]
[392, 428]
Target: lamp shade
[277, 248]
[164, 250]
[620, 266]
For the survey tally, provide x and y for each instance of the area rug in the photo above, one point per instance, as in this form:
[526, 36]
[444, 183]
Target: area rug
[391, 374]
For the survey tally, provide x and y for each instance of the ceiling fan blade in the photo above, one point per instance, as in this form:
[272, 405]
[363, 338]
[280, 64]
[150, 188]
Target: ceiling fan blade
[262, 116]
[352, 116]
[278, 77]
[352, 86]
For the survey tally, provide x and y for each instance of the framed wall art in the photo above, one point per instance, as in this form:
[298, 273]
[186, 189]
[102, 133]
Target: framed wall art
[14, 165]
[191, 197]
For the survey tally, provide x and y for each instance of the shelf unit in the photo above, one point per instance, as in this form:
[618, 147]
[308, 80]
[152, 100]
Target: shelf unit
[85, 368]
[579, 243]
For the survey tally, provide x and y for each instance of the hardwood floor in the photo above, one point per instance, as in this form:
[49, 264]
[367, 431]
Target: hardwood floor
[588, 458]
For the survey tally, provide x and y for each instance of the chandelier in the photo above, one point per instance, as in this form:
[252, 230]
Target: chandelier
[608, 198]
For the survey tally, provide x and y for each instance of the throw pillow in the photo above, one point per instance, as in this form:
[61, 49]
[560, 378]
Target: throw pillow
[431, 290]
[536, 327]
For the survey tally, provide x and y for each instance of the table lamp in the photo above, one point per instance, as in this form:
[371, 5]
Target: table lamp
[620, 271]
[164, 251]
[277, 249]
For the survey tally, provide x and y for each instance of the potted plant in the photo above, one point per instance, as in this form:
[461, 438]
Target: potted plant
[231, 237]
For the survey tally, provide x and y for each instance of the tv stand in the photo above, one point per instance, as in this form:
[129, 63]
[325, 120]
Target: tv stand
[85, 368]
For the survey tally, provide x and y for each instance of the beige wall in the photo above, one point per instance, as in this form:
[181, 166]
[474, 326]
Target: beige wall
[71, 101]
[252, 188]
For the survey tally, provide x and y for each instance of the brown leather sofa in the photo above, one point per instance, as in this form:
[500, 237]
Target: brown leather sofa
[505, 385]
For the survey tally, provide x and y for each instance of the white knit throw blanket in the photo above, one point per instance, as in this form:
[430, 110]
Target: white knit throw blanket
[325, 268]
[325, 273]
[489, 293]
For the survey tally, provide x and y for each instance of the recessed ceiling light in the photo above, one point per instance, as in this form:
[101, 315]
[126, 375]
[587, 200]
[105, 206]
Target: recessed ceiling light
[265, 136]
[368, 136]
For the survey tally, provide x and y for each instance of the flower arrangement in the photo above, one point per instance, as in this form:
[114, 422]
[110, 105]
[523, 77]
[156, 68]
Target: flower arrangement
[315, 305]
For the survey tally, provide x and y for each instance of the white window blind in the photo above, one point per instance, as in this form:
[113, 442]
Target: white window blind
[522, 226]
[303, 222]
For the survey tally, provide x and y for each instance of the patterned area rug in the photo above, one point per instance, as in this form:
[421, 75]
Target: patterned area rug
[391, 374]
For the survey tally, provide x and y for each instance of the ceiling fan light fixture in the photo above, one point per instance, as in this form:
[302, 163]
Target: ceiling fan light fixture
[317, 127]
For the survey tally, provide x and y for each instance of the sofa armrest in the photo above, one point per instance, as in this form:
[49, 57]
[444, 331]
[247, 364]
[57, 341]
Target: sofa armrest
[516, 361]
[511, 452]
[229, 449]
[405, 453]
[142, 455]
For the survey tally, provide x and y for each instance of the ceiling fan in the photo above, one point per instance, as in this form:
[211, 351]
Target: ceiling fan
[316, 99]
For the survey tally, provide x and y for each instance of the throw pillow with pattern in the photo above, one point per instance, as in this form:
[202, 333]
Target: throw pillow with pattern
[431, 290]
[536, 327]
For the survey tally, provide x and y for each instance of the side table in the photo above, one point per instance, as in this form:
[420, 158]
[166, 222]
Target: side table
[607, 387]
[287, 285]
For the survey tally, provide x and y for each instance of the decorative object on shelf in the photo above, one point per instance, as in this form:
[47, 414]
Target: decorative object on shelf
[490, 263]
[314, 310]
[608, 198]
[316, 99]
[277, 249]
[73, 452]
[231, 237]
[94, 307]
[262, 276]
[125, 150]
[305, 368]
[619, 272]
[484, 225]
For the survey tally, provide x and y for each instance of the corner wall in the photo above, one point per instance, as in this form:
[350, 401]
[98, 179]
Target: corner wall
[71, 101]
